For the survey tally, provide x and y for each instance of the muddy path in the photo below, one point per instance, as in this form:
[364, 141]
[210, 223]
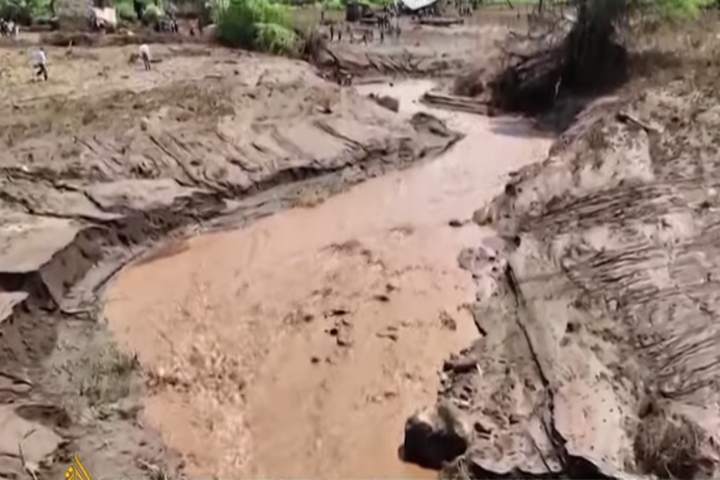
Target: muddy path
[298, 346]
[106, 160]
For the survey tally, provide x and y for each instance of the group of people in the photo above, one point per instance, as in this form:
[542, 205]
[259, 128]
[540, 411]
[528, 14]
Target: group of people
[38, 60]
[385, 26]
[8, 28]
[465, 8]
[170, 24]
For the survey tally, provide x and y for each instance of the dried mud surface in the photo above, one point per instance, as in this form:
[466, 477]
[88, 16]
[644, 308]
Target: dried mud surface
[600, 354]
[420, 51]
[104, 160]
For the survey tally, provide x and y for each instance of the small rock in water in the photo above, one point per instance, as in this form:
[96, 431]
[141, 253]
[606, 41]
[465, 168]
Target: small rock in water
[391, 286]
[455, 223]
[435, 436]
[343, 339]
[389, 334]
[447, 321]
[388, 102]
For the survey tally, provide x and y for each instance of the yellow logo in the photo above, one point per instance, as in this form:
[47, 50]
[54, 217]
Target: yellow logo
[77, 471]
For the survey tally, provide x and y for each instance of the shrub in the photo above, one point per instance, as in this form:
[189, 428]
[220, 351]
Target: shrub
[334, 5]
[19, 11]
[125, 11]
[256, 25]
[151, 14]
[274, 38]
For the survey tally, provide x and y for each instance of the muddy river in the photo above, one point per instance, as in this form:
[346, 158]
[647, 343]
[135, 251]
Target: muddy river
[298, 346]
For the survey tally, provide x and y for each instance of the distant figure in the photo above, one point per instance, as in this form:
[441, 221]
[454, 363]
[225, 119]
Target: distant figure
[173, 24]
[40, 62]
[9, 29]
[332, 32]
[145, 56]
[13, 29]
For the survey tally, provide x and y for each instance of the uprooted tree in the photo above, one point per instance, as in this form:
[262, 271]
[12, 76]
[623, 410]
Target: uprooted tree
[580, 49]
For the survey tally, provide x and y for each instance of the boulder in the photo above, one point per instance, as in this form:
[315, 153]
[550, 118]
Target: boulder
[387, 101]
[436, 436]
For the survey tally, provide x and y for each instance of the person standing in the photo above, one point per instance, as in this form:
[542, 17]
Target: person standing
[145, 56]
[41, 64]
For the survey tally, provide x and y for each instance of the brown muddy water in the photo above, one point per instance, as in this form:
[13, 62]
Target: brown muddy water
[297, 347]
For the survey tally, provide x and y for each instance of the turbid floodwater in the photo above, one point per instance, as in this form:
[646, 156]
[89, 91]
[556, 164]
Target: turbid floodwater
[297, 347]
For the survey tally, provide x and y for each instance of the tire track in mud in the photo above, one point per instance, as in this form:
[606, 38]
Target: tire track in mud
[611, 249]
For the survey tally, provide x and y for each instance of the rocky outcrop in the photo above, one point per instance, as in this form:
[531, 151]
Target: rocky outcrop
[435, 436]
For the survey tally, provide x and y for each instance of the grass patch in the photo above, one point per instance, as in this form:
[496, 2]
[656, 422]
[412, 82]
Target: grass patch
[669, 446]
[106, 375]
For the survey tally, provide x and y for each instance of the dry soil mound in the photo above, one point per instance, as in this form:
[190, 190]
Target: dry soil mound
[601, 350]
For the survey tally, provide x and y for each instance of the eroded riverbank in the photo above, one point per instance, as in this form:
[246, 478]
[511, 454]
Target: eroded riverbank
[298, 345]
[98, 168]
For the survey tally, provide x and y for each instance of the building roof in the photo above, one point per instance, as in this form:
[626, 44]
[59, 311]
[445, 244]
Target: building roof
[417, 4]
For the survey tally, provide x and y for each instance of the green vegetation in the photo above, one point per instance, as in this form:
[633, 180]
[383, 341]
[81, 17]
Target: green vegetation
[151, 14]
[256, 25]
[681, 8]
[335, 5]
[126, 12]
[25, 12]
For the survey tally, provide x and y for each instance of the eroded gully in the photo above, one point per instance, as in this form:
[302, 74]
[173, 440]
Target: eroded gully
[299, 345]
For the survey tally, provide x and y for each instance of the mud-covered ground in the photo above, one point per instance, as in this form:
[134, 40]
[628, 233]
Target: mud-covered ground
[598, 335]
[277, 349]
[103, 160]
[600, 353]
[420, 51]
